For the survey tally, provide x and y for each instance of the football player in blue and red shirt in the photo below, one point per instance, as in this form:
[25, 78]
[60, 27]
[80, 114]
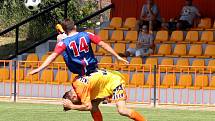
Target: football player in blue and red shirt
[77, 51]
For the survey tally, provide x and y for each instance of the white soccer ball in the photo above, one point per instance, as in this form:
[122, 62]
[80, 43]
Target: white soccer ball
[32, 5]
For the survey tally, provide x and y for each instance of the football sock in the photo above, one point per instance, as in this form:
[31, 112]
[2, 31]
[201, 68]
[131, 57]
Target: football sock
[136, 116]
[97, 116]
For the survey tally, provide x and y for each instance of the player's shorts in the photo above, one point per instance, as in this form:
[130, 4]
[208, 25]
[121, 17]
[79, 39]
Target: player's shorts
[119, 93]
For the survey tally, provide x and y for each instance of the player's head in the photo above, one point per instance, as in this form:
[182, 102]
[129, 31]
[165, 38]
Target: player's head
[145, 29]
[72, 96]
[189, 2]
[151, 2]
[68, 25]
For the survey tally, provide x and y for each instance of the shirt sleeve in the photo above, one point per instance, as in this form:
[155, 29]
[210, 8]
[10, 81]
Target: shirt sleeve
[60, 47]
[94, 38]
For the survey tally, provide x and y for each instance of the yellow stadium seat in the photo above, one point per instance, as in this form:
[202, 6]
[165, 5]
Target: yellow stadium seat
[47, 76]
[119, 47]
[211, 85]
[161, 36]
[4, 74]
[117, 36]
[19, 76]
[59, 62]
[116, 22]
[192, 37]
[168, 80]
[166, 65]
[90, 30]
[211, 66]
[209, 51]
[182, 65]
[126, 78]
[164, 49]
[150, 62]
[150, 81]
[176, 36]
[195, 51]
[179, 50]
[31, 78]
[131, 36]
[130, 24]
[137, 64]
[132, 45]
[105, 59]
[207, 37]
[201, 81]
[61, 77]
[185, 81]
[137, 80]
[32, 57]
[198, 65]
[104, 35]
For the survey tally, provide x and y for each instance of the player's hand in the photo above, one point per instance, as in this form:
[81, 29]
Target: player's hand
[33, 72]
[122, 59]
[67, 103]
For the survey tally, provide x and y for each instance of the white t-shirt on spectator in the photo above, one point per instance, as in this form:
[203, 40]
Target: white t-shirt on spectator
[188, 14]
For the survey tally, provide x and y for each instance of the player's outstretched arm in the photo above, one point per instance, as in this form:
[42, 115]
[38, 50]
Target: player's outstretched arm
[49, 60]
[109, 49]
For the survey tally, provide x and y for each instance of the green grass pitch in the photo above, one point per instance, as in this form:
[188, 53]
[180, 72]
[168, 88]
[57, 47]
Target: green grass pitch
[43, 112]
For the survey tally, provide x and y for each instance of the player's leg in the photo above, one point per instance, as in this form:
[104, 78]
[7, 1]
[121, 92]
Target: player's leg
[124, 111]
[95, 112]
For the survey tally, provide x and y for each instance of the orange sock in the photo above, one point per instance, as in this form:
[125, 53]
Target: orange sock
[97, 116]
[136, 116]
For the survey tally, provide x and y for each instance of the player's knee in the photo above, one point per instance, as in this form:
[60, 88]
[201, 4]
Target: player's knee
[122, 112]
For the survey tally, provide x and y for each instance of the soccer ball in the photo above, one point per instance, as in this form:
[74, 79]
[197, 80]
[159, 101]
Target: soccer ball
[32, 5]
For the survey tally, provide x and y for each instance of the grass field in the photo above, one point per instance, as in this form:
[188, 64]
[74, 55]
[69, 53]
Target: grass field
[42, 112]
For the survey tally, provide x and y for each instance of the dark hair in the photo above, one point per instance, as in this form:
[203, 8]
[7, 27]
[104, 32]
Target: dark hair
[68, 25]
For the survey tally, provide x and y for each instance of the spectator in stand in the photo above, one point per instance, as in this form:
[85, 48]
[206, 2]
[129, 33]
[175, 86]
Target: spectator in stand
[189, 14]
[144, 45]
[150, 15]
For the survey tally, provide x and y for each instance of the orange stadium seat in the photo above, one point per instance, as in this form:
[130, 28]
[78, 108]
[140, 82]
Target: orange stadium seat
[47, 76]
[102, 51]
[116, 22]
[213, 27]
[150, 62]
[167, 65]
[4, 74]
[161, 36]
[179, 50]
[104, 35]
[198, 65]
[137, 80]
[207, 37]
[61, 77]
[131, 36]
[19, 76]
[176, 36]
[135, 61]
[168, 80]
[205, 23]
[150, 81]
[192, 37]
[195, 51]
[119, 47]
[132, 45]
[201, 81]
[164, 49]
[32, 57]
[185, 80]
[209, 51]
[130, 24]
[117, 36]
[105, 59]
[211, 66]
[180, 63]
[211, 85]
